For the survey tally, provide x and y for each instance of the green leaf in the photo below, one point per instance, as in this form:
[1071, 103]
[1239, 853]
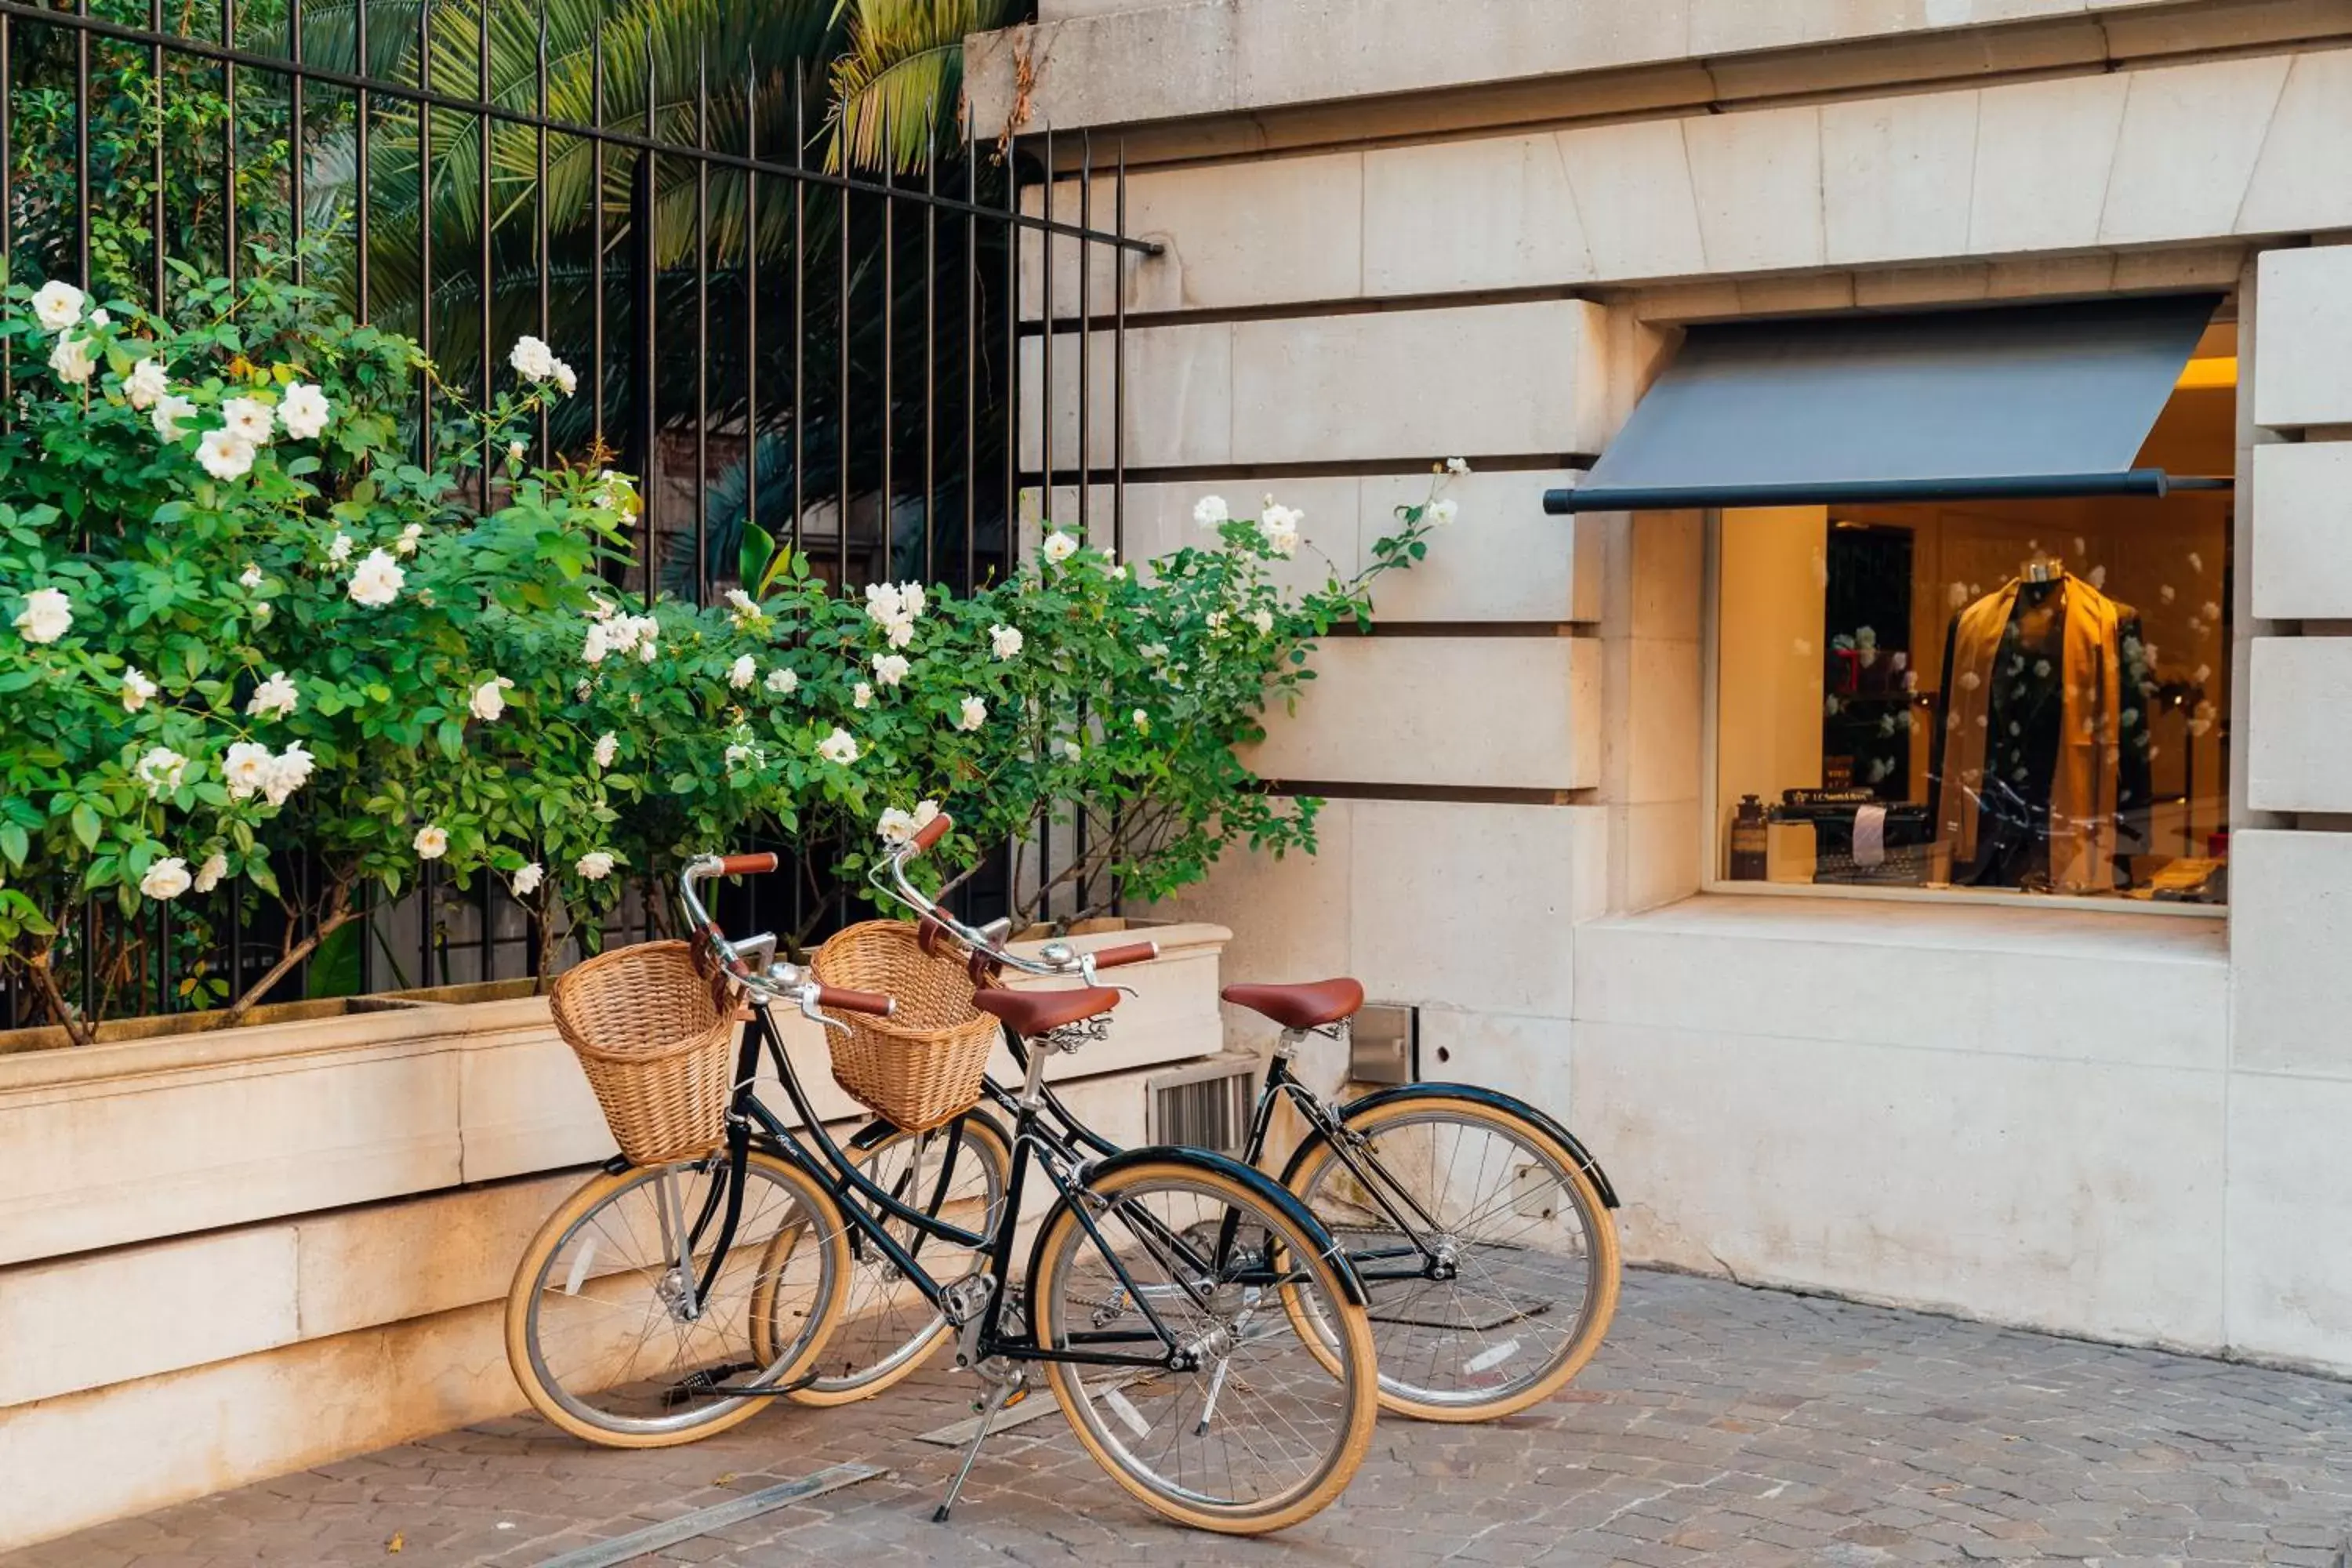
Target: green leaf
[14, 843]
[85, 825]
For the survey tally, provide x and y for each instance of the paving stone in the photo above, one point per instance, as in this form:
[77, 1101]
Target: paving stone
[1719, 1425]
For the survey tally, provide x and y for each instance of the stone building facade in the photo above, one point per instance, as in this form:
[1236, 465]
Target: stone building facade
[1397, 231]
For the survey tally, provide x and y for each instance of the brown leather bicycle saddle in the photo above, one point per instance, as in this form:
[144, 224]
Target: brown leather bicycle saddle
[1034, 1012]
[1304, 1006]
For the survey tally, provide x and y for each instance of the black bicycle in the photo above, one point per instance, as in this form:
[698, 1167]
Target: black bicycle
[1480, 1227]
[1205, 1335]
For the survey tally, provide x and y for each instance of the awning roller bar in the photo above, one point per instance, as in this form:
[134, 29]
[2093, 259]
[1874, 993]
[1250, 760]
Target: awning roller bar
[2154, 482]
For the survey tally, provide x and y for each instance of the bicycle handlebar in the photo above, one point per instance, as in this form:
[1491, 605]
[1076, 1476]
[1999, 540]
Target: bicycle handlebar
[842, 999]
[781, 981]
[932, 922]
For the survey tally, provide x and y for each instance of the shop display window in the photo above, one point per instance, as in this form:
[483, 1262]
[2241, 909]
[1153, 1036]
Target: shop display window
[2008, 697]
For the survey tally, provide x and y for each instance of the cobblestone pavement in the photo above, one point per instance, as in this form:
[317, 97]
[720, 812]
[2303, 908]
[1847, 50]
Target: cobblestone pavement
[1719, 1424]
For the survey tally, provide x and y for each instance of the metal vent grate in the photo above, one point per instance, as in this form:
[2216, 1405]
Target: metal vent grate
[1203, 1107]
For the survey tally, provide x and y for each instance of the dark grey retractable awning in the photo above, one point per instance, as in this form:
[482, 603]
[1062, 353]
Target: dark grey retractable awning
[2039, 400]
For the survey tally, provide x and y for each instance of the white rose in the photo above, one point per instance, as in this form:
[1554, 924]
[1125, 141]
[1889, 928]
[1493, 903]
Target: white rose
[489, 699]
[838, 748]
[245, 766]
[1004, 642]
[1142, 722]
[1279, 525]
[608, 747]
[896, 827]
[741, 673]
[248, 419]
[744, 608]
[600, 608]
[1262, 620]
[882, 602]
[57, 304]
[910, 597]
[47, 616]
[531, 359]
[273, 698]
[971, 713]
[209, 874]
[1458, 465]
[861, 695]
[515, 449]
[899, 632]
[741, 755]
[166, 879]
[376, 581]
[431, 842]
[783, 682]
[599, 643]
[338, 550]
[565, 381]
[225, 454]
[1442, 510]
[289, 771]
[1058, 547]
[527, 879]
[595, 865]
[100, 319]
[144, 387]
[72, 361]
[406, 543]
[250, 577]
[304, 411]
[162, 769]
[1209, 511]
[137, 690]
[890, 668]
[172, 411]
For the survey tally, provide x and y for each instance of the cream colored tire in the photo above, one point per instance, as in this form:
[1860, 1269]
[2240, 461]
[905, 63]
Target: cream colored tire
[1319, 1174]
[583, 1290]
[1325, 1397]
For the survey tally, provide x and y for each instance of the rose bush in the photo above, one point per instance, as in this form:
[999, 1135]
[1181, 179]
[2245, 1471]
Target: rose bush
[262, 617]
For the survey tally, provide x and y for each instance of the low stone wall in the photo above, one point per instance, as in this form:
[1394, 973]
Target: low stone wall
[229, 1255]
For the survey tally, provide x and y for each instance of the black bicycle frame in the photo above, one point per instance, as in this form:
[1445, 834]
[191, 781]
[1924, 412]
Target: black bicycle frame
[853, 1191]
[1278, 1082]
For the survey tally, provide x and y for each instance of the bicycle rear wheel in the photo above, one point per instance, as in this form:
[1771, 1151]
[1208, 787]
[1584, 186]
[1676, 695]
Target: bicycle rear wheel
[1529, 1282]
[887, 1328]
[1264, 1430]
[603, 1329]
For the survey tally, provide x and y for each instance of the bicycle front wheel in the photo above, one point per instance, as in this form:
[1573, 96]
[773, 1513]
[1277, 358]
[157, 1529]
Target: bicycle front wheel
[888, 1328]
[1487, 1254]
[609, 1329]
[1259, 1430]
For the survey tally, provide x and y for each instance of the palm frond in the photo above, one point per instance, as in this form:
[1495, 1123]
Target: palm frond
[898, 79]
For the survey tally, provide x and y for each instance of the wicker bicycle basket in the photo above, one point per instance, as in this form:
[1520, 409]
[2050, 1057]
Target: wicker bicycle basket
[654, 1040]
[921, 1067]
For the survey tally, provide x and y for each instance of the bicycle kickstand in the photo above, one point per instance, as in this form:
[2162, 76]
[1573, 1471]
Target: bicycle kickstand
[999, 1395]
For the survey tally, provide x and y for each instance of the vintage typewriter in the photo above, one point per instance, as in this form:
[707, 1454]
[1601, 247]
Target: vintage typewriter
[1860, 838]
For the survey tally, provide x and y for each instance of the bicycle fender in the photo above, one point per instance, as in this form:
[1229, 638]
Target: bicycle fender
[1476, 1094]
[1260, 1186]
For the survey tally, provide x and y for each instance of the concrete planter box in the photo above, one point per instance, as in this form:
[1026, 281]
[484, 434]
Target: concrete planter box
[289, 1242]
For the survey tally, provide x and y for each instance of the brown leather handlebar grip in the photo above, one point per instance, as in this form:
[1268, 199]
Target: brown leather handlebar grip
[1133, 953]
[930, 833]
[869, 1002]
[746, 865]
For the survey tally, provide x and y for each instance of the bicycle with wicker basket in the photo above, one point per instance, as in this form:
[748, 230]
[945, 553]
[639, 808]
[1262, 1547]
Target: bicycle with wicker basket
[699, 1275]
[1479, 1225]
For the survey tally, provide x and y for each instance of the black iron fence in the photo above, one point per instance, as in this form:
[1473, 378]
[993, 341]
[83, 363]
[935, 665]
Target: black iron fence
[778, 345]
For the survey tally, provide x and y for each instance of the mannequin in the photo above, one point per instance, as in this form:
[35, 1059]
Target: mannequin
[2038, 766]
